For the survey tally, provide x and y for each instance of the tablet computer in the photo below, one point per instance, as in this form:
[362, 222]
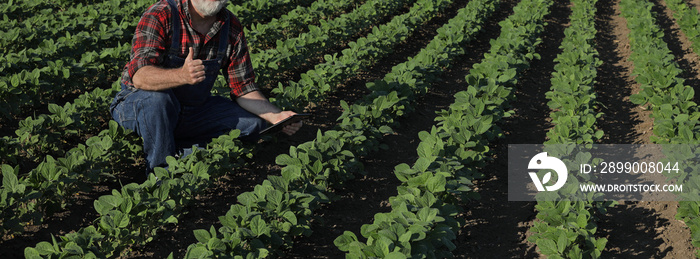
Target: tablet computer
[289, 120]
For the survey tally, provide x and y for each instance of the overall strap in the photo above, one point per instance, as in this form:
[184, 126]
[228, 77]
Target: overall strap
[175, 28]
[223, 39]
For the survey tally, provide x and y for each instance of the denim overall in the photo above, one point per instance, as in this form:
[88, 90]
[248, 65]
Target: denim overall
[175, 119]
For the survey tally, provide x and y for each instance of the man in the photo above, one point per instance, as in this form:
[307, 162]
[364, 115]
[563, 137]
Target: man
[178, 48]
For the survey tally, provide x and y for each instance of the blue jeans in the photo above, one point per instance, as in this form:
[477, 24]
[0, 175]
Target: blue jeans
[167, 127]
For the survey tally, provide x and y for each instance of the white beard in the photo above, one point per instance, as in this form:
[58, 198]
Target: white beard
[207, 7]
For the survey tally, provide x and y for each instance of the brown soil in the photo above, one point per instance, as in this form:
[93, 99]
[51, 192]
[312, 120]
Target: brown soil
[695, 3]
[495, 227]
[633, 229]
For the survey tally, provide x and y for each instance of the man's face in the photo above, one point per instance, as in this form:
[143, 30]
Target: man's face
[208, 7]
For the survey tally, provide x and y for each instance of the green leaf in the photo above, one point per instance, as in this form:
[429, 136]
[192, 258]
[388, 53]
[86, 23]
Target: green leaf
[405, 237]
[562, 242]
[101, 207]
[436, 184]
[247, 199]
[216, 244]
[202, 235]
[110, 200]
[422, 164]
[290, 217]
[547, 246]
[73, 249]
[395, 255]
[344, 241]
[681, 118]
[582, 220]
[121, 219]
[638, 99]
[9, 179]
[599, 134]
[54, 108]
[31, 253]
[197, 252]
[45, 248]
[258, 226]
[600, 243]
[263, 253]
[15, 80]
[285, 159]
[427, 214]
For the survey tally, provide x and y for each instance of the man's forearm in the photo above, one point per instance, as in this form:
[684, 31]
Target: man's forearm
[256, 103]
[154, 78]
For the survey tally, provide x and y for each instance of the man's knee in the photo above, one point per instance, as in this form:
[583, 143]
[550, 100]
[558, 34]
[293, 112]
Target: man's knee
[160, 100]
[146, 111]
[250, 128]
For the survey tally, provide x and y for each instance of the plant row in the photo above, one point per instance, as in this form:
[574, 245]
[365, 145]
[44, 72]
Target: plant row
[359, 56]
[422, 222]
[566, 227]
[51, 21]
[36, 20]
[260, 11]
[676, 115]
[131, 216]
[51, 186]
[50, 167]
[55, 133]
[263, 35]
[84, 53]
[53, 81]
[688, 20]
[18, 10]
[271, 64]
[452, 154]
[111, 242]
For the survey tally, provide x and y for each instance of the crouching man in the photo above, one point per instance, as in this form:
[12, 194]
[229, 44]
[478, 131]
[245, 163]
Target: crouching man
[179, 48]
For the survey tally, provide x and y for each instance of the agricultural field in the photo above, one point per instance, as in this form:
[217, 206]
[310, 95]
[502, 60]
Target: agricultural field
[414, 103]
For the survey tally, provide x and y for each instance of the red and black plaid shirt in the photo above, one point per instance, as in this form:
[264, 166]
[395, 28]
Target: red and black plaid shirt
[152, 40]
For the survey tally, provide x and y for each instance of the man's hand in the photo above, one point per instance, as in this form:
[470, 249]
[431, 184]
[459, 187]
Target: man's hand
[192, 71]
[291, 128]
[258, 104]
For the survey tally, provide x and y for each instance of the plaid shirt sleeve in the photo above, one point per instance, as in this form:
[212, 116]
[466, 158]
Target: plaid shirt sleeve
[150, 42]
[239, 71]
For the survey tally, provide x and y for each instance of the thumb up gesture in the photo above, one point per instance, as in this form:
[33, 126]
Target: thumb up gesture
[192, 71]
